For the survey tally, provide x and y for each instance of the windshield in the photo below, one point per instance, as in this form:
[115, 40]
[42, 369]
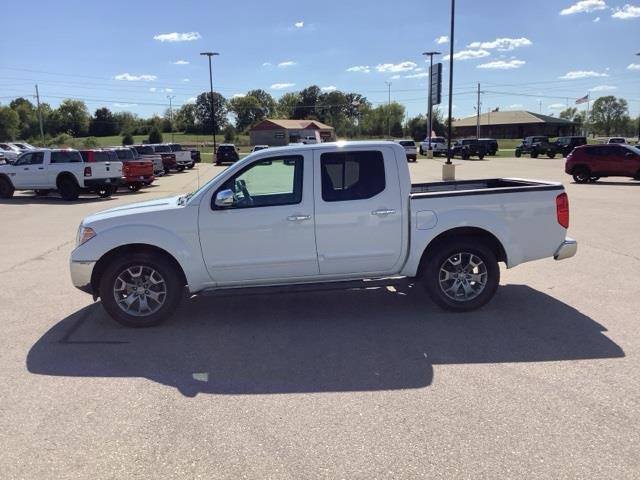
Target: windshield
[406, 143]
[175, 147]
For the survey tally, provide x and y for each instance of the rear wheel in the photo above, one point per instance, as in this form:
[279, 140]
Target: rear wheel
[581, 175]
[106, 191]
[6, 188]
[594, 179]
[465, 155]
[166, 171]
[534, 154]
[551, 155]
[518, 154]
[69, 189]
[141, 290]
[134, 187]
[462, 275]
[180, 168]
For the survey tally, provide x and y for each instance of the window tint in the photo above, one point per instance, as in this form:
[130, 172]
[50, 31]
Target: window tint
[66, 156]
[124, 154]
[266, 183]
[175, 147]
[24, 159]
[351, 175]
[162, 149]
[407, 143]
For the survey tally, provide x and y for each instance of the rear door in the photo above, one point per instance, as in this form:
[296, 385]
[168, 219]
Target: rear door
[358, 211]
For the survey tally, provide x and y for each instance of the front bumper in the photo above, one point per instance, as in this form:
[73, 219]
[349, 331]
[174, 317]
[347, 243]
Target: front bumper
[567, 249]
[81, 275]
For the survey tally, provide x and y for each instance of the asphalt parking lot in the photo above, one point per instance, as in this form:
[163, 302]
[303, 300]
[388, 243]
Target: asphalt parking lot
[544, 382]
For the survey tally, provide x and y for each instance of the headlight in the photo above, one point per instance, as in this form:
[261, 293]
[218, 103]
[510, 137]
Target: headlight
[84, 235]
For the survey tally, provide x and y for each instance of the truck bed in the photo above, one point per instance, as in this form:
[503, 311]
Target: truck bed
[479, 187]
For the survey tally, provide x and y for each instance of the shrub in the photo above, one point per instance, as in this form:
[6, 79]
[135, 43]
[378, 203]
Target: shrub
[229, 134]
[90, 142]
[62, 141]
[155, 136]
[127, 139]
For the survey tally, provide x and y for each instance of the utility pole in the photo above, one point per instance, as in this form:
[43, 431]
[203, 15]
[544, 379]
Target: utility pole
[450, 119]
[638, 115]
[171, 97]
[213, 108]
[478, 115]
[389, 111]
[430, 102]
[40, 116]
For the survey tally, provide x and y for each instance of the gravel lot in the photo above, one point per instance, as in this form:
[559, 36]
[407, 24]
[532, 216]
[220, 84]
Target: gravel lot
[544, 382]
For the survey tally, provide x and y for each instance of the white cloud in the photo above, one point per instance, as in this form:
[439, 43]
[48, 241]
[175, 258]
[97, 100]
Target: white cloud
[177, 37]
[125, 105]
[582, 74]
[299, 24]
[282, 86]
[417, 75]
[191, 100]
[515, 106]
[329, 88]
[503, 65]
[238, 95]
[396, 67]
[633, 66]
[596, 20]
[288, 63]
[186, 80]
[395, 77]
[168, 90]
[603, 88]
[557, 106]
[267, 64]
[627, 12]
[468, 54]
[136, 78]
[359, 68]
[153, 89]
[503, 44]
[442, 39]
[180, 62]
[584, 6]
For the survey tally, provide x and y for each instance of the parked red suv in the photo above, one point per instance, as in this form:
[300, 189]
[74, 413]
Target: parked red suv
[591, 162]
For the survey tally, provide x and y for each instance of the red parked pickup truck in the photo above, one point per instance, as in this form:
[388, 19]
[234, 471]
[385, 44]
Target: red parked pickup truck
[589, 163]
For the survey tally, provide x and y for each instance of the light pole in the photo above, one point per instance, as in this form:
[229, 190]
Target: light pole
[430, 103]
[638, 114]
[389, 111]
[171, 97]
[213, 108]
[450, 126]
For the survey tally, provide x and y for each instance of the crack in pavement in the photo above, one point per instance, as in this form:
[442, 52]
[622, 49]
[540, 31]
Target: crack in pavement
[35, 257]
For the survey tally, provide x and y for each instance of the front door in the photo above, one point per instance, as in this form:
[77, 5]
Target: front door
[358, 212]
[29, 171]
[267, 234]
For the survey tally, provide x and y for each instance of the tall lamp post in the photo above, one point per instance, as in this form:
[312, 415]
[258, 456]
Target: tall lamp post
[430, 103]
[171, 97]
[213, 111]
[389, 110]
[638, 114]
[449, 171]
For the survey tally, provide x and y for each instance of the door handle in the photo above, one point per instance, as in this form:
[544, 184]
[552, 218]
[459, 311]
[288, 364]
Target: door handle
[26, 168]
[298, 218]
[40, 168]
[383, 212]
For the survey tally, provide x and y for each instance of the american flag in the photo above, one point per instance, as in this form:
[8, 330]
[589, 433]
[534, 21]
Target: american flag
[584, 99]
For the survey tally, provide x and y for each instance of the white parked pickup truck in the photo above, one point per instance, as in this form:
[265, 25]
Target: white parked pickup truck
[45, 170]
[323, 213]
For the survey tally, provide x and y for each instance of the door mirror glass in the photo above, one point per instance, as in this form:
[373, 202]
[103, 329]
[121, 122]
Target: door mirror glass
[225, 198]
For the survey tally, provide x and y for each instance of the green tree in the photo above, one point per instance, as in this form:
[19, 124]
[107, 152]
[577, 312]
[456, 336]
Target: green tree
[203, 112]
[609, 114]
[28, 116]
[127, 121]
[306, 107]
[247, 111]
[229, 134]
[127, 139]
[9, 124]
[90, 142]
[185, 118]
[266, 101]
[155, 135]
[287, 105]
[103, 123]
[72, 117]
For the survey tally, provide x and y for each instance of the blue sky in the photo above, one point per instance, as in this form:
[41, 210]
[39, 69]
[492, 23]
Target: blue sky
[131, 55]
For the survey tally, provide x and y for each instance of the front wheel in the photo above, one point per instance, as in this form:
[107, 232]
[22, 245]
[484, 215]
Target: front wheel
[534, 154]
[6, 188]
[518, 154]
[462, 275]
[69, 189]
[141, 290]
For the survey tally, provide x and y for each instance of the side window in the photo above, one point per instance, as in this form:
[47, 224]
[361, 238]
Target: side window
[351, 175]
[37, 158]
[266, 183]
[66, 156]
[24, 159]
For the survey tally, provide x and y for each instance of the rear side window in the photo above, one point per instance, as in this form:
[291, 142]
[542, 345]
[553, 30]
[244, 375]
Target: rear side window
[162, 149]
[175, 147]
[351, 175]
[406, 143]
[66, 157]
[124, 154]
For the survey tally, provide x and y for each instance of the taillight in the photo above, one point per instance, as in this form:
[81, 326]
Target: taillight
[87, 171]
[562, 209]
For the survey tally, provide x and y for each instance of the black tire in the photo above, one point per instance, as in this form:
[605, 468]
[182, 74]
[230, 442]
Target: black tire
[465, 155]
[6, 188]
[481, 156]
[581, 174]
[594, 179]
[68, 188]
[191, 166]
[438, 260]
[421, 151]
[180, 168]
[518, 153]
[167, 171]
[551, 155]
[218, 163]
[134, 187]
[534, 154]
[106, 191]
[170, 299]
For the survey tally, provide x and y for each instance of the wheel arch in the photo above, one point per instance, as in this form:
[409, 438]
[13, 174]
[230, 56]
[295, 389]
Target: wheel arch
[64, 175]
[129, 249]
[476, 233]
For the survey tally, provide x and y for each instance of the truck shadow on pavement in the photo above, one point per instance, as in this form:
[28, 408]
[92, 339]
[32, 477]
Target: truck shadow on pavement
[352, 340]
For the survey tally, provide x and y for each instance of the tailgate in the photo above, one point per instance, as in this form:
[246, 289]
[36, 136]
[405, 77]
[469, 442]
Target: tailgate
[138, 168]
[105, 169]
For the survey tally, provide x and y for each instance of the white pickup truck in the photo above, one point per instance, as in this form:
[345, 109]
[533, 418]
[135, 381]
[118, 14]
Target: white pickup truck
[323, 213]
[64, 170]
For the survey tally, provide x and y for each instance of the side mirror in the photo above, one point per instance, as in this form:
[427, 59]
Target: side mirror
[225, 198]
[629, 155]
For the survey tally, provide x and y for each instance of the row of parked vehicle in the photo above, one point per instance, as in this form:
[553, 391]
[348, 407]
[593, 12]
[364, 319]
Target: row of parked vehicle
[94, 170]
